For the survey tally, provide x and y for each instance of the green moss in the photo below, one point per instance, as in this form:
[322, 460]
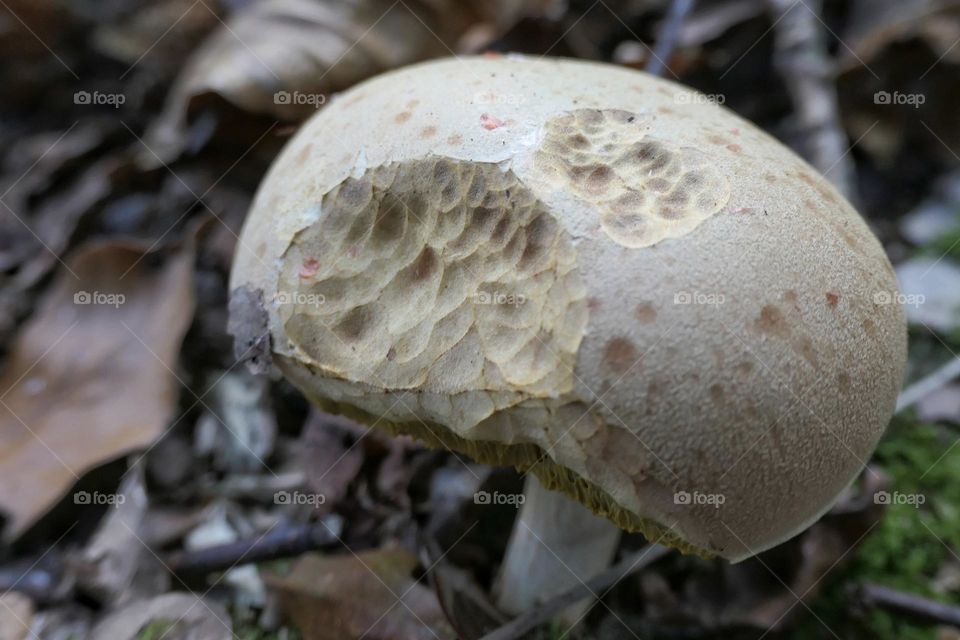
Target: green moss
[247, 631]
[243, 629]
[246, 627]
[910, 545]
[156, 629]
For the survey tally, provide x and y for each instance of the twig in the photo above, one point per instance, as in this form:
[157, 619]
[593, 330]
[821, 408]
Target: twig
[669, 36]
[601, 582]
[927, 385]
[803, 62]
[250, 486]
[282, 542]
[909, 604]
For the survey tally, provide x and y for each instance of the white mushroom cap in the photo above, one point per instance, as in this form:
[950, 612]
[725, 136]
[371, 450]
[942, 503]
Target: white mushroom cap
[590, 272]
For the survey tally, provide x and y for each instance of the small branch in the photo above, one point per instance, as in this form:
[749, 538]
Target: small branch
[669, 36]
[908, 604]
[927, 385]
[599, 583]
[803, 62]
[282, 542]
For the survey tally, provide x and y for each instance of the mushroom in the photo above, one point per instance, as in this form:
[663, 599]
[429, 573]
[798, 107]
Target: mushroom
[598, 276]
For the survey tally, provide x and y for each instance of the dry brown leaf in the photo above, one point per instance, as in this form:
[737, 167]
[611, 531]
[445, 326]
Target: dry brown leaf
[371, 595]
[90, 377]
[16, 615]
[331, 456]
[116, 566]
[465, 602]
[284, 58]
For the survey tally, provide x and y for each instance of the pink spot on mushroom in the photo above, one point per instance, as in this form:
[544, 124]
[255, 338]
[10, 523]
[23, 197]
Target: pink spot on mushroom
[489, 122]
[309, 268]
[492, 55]
[735, 131]
[734, 147]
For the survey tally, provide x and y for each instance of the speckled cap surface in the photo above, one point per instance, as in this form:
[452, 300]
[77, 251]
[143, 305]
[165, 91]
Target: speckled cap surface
[588, 272]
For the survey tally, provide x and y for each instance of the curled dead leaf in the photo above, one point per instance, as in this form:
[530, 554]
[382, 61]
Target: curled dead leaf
[371, 594]
[91, 375]
[285, 58]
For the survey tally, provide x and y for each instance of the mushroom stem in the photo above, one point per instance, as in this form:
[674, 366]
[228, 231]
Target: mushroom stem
[556, 544]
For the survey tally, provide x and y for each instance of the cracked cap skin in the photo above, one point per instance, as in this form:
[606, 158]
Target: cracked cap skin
[587, 272]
